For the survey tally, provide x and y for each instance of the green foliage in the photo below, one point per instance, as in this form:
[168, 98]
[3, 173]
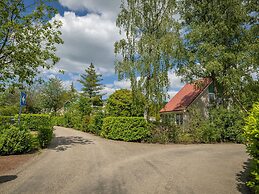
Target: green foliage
[9, 110]
[45, 135]
[53, 95]
[6, 120]
[120, 103]
[125, 128]
[251, 133]
[148, 48]
[92, 86]
[28, 39]
[57, 121]
[221, 42]
[34, 121]
[77, 114]
[96, 123]
[228, 123]
[164, 132]
[14, 140]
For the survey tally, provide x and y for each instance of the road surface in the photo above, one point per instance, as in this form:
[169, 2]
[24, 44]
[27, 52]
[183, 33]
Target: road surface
[78, 162]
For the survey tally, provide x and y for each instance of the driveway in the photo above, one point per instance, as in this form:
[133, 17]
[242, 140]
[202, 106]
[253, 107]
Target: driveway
[78, 162]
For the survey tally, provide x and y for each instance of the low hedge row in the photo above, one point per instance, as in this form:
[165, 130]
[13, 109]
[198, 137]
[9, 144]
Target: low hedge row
[34, 121]
[125, 128]
[16, 139]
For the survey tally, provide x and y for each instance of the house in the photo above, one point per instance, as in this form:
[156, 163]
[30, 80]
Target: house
[199, 94]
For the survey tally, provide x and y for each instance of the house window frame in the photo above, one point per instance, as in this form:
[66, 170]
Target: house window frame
[179, 118]
[211, 97]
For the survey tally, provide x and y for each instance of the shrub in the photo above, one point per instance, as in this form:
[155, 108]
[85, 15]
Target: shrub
[58, 121]
[229, 123]
[5, 121]
[96, 123]
[34, 121]
[45, 135]
[120, 104]
[125, 128]
[251, 133]
[14, 140]
[9, 110]
[164, 132]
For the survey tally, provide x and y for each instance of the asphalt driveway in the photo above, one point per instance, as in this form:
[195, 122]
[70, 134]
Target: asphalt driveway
[78, 162]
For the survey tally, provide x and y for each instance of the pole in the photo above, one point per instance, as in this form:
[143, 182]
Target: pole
[19, 118]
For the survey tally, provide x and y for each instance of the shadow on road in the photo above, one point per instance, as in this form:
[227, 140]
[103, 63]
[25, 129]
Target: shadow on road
[64, 143]
[242, 178]
[7, 178]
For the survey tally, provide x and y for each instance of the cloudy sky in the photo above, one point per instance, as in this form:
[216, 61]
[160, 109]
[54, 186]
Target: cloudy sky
[89, 33]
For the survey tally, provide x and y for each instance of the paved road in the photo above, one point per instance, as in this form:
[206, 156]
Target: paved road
[78, 162]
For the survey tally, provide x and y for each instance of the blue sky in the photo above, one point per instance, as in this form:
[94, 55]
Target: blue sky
[89, 32]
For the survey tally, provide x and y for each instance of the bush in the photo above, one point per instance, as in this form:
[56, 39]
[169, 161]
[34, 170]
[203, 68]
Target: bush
[34, 121]
[228, 123]
[164, 132]
[96, 123]
[120, 104]
[45, 135]
[251, 133]
[58, 121]
[125, 128]
[6, 120]
[14, 140]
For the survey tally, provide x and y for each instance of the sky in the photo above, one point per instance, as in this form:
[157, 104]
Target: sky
[89, 32]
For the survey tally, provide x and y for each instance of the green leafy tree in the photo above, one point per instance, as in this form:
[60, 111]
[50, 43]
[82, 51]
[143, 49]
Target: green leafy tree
[91, 85]
[120, 103]
[220, 41]
[53, 95]
[251, 133]
[147, 49]
[28, 40]
[9, 101]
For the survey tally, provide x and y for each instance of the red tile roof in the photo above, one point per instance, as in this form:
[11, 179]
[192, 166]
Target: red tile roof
[186, 95]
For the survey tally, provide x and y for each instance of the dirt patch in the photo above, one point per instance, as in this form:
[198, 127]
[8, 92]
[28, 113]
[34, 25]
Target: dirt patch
[12, 162]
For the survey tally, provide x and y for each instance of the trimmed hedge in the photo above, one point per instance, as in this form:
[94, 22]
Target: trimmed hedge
[251, 133]
[14, 140]
[34, 121]
[5, 121]
[45, 135]
[125, 128]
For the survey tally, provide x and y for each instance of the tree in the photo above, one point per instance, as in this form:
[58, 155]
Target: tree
[120, 103]
[220, 41]
[91, 85]
[28, 40]
[147, 49]
[53, 95]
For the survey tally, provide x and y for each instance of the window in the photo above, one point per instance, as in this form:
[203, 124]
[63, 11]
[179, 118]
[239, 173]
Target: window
[179, 119]
[211, 97]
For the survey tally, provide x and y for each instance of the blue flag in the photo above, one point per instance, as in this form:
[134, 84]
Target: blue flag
[23, 99]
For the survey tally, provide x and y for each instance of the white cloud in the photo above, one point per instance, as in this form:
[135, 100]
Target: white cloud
[175, 81]
[122, 84]
[87, 39]
[116, 85]
[172, 94]
[108, 8]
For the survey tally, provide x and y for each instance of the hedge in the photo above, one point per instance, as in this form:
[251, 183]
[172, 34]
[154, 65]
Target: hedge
[125, 128]
[34, 121]
[251, 133]
[6, 120]
[14, 140]
[45, 135]
[58, 121]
